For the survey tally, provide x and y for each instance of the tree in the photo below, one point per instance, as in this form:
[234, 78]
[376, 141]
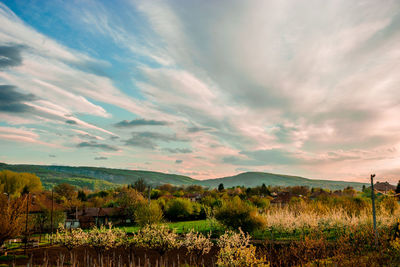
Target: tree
[82, 196]
[140, 185]
[42, 219]
[13, 183]
[129, 200]
[148, 214]
[264, 190]
[65, 190]
[220, 187]
[12, 219]
[158, 237]
[235, 213]
[179, 209]
[398, 188]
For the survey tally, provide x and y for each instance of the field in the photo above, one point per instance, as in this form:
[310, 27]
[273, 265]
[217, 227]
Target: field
[290, 239]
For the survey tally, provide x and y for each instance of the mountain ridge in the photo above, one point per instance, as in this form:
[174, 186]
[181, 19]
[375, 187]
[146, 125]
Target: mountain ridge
[97, 178]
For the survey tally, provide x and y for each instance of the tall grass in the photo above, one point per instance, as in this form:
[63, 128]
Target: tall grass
[310, 216]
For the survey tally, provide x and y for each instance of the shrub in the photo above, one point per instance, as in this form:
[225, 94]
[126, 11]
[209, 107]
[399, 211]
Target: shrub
[260, 202]
[389, 203]
[70, 239]
[236, 213]
[148, 214]
[158, 237]
[235, 250]
[179, 209]
[104, 238]
[197, 243]
[129, 200]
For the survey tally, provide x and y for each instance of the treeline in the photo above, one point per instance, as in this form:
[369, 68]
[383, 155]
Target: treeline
[141, 204]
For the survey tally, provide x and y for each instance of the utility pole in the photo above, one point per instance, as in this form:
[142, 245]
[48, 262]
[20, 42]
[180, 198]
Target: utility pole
[373, 209]
[51, 214]
[26, 223]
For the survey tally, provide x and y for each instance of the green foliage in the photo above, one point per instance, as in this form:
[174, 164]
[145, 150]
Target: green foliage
[148, 214]
[82, 195]
[13, 183]
[260, 202]
[65, 190]
[42, 220]
[235, 213]
[129, 200]
[105, 178]
[140, 185]
[220, 187]
[179, 209]
[253, 179]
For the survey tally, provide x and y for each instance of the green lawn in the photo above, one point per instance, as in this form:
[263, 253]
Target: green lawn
[203, 226]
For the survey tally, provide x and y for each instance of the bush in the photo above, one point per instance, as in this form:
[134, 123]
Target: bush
[179, 209]
[158, 237]
[148, 214]
[197, 243]
[235, 250]
[103, 238]
[70, 239]
[389, 203]
[236, 213]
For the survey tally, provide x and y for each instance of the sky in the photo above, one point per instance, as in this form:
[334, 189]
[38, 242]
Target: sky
[203, 88]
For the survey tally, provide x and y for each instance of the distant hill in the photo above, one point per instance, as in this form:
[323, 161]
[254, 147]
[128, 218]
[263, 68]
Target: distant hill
[103, 178]
[95, 178]
[251, 179]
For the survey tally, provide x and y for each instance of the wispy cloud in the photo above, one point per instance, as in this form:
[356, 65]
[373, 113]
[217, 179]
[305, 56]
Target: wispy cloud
[293, 87]
[139, 122]
[94, 144]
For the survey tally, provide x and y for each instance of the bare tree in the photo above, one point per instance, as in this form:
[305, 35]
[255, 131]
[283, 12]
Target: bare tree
[12, 217]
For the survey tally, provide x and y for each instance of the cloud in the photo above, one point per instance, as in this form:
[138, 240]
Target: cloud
[10, 55]
[139, 122]
[55, 74]
[177, 150]
[296, 86]
[86, 135]
[178, 161]
[150, 140]
[23, 135]
[100, 158]
[197, 129]
[94, 144]
[13, 101]
[263, 158]
[71, 122]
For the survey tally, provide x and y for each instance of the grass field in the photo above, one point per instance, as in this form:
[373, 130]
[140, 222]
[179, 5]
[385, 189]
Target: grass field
[203, 226]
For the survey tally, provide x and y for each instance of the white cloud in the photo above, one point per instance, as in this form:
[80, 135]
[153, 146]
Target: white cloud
[317, 80]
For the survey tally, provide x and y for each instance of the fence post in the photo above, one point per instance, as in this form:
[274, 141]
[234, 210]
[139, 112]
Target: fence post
[373, 209]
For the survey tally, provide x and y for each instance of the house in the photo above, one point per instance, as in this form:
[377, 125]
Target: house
[384, 187]
[281, 198]
[193, 197]
[41, 202]
[90, 217]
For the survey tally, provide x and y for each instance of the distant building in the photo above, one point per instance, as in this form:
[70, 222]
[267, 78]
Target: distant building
[384, 187]
[90, 217]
